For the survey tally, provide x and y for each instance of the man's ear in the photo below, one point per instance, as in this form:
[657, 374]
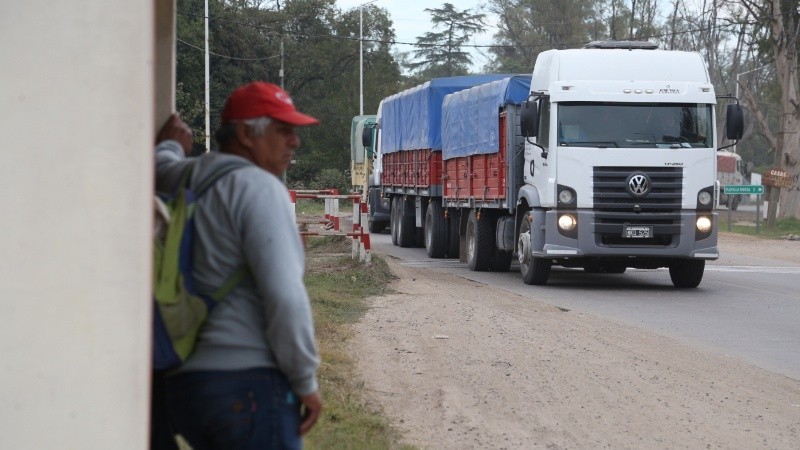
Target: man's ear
[243, 135]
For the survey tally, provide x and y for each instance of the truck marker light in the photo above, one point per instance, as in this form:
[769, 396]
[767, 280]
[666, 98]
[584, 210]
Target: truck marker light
[565, 196]
[703, 224]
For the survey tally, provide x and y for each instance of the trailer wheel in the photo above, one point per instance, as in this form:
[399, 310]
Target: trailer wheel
[393, 218]
[406, 229]
[454, 237]
[534, 270]
[435, 231]
[687, 273]
[480, 242]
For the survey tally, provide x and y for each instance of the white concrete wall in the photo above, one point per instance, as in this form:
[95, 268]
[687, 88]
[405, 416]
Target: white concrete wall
[77, 127]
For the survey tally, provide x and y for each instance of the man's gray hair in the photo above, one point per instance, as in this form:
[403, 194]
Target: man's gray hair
[227, 131]
[258, 125]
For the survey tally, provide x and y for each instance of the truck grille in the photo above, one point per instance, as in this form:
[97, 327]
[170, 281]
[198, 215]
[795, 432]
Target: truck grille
[615, 207]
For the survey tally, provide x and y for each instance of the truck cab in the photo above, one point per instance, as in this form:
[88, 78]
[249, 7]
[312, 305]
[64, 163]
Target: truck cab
[620, 163]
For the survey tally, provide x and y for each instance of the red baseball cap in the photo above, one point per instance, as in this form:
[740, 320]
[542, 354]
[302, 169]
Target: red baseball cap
[260, 99]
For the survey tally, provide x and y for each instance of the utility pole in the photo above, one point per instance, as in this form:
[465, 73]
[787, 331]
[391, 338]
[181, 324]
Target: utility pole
[207, 86]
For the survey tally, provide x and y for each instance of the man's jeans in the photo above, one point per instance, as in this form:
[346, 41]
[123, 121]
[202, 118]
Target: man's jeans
[247, 409]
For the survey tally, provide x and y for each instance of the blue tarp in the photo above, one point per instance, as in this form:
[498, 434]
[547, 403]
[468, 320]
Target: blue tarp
[411, 120]
[469, 117]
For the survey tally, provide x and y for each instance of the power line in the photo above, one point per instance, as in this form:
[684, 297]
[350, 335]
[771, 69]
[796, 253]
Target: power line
[225, 56]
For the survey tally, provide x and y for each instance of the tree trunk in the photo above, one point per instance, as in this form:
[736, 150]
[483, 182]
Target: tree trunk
[788, 153]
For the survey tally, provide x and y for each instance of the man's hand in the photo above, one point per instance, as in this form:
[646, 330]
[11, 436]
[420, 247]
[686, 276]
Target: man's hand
[176, 129]
[312, 404]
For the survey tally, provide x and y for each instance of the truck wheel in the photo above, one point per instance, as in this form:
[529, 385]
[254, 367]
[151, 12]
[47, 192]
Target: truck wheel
[406, 229]
[435, 231]
[480, 242]
[687, 273]
[453, 237]
[534, 270]
[394, 214]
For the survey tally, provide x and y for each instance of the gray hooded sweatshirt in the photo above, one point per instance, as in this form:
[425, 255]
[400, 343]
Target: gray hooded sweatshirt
[246, 219]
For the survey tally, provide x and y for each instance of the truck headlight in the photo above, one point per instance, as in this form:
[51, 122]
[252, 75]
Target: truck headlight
[567, 222]
[703, 224]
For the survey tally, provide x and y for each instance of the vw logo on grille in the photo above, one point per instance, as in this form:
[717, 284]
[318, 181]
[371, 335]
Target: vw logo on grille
[639, 184]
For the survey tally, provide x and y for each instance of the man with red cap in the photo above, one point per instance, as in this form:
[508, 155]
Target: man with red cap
[251, 381]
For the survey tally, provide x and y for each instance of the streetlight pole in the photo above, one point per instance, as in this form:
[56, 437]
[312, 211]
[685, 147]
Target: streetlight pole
[361, 56]
[207, 84]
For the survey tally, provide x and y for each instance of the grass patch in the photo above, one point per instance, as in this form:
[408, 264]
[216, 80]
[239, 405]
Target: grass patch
[309, 207]
[338, 286]
[784, 227]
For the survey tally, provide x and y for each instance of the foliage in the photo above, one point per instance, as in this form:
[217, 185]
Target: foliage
[528, 27]
[320, 60]
[784, 227]
[441, 53]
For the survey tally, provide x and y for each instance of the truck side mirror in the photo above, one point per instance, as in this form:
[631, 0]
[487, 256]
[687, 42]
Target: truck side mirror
[366, 136]
[529, 119]
[734, 122]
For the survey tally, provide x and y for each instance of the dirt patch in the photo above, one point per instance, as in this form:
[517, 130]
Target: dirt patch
[458, 364]
[740, 244]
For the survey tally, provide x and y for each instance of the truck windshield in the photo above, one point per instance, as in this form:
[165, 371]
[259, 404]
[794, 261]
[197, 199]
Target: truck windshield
[634, 125]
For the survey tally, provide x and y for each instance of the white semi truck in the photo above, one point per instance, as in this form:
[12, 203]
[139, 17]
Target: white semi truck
[610, 163]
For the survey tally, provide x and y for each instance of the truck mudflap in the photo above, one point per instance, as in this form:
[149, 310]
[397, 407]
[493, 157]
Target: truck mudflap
[654, 246]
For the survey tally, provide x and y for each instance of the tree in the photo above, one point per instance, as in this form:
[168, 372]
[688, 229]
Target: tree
[317, 46]
[528, 27]
[441, 53]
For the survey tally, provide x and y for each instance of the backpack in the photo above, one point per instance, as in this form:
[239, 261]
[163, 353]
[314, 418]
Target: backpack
[179, 311]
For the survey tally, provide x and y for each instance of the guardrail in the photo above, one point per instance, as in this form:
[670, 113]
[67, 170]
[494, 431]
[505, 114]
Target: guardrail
[332, 223]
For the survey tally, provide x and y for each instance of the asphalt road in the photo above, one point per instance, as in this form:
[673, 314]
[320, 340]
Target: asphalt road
[746, 308]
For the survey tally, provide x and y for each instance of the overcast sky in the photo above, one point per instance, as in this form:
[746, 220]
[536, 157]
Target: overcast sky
[411, 20]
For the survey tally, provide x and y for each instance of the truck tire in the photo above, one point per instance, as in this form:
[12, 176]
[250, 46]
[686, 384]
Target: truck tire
[393, 216]
[687, 273]
[435, 231]
[480, 242]
[406, 228]
[453, 236]
[534, 270]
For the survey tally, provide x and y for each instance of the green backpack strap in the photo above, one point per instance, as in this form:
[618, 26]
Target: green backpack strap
[229, 285]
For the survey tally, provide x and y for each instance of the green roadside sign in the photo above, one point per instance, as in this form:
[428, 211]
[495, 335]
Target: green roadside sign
[743, 189]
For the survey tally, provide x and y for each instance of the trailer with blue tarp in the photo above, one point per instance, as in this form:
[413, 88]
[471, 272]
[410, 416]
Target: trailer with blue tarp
[409, 166]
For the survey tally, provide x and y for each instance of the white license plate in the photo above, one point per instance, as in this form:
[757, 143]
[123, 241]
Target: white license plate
[637, 232]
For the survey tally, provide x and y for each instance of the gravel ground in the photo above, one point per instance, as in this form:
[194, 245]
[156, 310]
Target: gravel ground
[457, 364]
